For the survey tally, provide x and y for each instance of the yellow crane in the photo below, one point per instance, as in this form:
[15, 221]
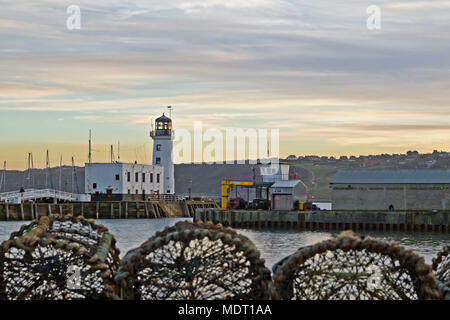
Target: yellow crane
[226, 186]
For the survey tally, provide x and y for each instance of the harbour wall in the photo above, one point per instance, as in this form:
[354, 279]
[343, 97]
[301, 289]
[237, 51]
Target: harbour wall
[329, 220]
[104, 209]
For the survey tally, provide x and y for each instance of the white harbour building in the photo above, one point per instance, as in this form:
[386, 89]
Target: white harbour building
[123, 181]
[132, 181]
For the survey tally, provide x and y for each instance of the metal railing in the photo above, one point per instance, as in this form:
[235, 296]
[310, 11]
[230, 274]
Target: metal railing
[163, 197]
[32, 194]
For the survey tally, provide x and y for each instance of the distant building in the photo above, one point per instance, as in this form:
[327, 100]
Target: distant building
[292, 158]
[398, 189]
[123, 181]
[373, 162]
[274, 173]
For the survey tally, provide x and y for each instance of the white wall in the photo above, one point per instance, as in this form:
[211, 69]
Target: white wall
[166, 157]
[150, 187]
[104, 176]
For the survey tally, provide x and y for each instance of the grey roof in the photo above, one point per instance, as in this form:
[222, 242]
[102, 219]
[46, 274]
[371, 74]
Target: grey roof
[392, 176]
[286, 184]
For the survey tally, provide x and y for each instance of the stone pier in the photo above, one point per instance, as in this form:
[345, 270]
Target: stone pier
[329, 220]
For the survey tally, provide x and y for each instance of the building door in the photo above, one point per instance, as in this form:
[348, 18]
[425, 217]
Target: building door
[108, 194]
[282, 202]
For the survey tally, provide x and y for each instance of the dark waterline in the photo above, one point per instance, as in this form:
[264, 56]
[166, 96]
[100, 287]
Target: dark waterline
[273, 244]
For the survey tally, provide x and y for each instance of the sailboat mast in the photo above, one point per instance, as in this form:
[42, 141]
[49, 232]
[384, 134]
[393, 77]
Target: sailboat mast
[60, 172]
[46, 171]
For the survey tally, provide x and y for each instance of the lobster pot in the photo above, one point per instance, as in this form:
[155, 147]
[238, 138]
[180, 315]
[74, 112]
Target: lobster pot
[58, 259]
[194, 262]
[351, 268]
[441, 267]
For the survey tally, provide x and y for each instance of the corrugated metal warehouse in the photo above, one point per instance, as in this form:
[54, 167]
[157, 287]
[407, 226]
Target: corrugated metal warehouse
[391, 189]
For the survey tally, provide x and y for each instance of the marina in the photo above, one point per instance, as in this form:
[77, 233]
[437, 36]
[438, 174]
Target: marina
[134, 236]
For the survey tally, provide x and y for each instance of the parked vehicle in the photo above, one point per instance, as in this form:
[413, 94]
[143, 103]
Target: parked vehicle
[261, 204]
[238, 203]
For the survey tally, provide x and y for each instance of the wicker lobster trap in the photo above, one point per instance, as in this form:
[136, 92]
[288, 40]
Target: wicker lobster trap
[194, 261]
[441, 267]
[351, 268]
[58, 258]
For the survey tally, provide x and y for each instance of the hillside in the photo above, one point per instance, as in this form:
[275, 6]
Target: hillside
[205, 180]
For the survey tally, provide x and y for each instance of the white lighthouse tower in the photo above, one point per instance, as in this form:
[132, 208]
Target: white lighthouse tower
[162, 151]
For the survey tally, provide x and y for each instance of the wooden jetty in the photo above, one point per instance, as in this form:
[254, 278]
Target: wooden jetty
[104, 209]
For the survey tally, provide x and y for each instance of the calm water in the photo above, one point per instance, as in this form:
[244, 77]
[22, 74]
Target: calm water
[273, 244]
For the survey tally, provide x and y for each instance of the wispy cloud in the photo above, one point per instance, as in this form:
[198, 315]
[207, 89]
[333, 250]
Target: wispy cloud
[311, 69]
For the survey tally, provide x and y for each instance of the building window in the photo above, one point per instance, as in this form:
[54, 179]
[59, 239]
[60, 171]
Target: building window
[143, 192]
[94, 186]
[137, 191]
[158, 147]
[137, 177]
[128, 176]
[129, 191]
[151, 177]
[157, 178]
[117, 177]
[158, 160]
[143, 177]
[168, 191]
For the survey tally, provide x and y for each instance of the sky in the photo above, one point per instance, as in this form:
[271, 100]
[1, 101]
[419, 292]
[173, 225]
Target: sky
[311, 69]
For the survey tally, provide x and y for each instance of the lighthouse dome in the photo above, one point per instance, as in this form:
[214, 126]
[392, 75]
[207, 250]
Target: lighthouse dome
[163, 118]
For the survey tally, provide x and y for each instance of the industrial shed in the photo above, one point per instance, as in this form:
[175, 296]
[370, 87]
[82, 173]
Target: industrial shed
[426, 189]
[284, 194]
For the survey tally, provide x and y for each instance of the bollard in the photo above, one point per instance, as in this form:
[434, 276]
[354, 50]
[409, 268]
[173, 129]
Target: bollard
[21, 212]
[138, 215]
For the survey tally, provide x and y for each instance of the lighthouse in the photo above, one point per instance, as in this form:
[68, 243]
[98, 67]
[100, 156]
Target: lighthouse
[162, 137]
